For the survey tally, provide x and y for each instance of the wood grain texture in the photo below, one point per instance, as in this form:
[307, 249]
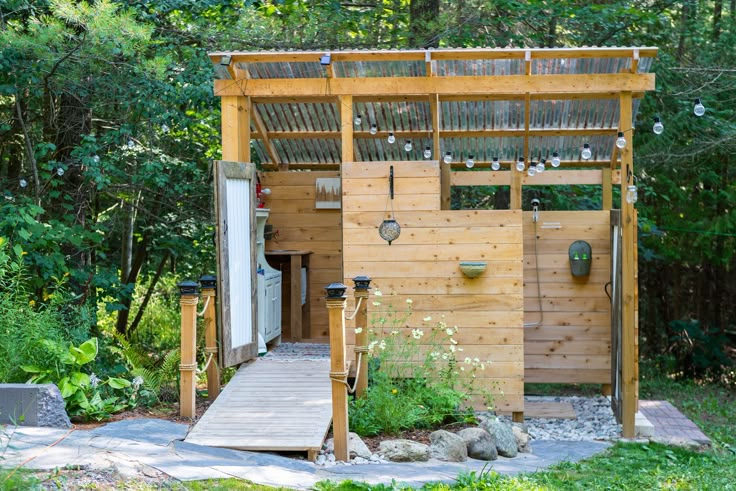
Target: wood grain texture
[270, 405]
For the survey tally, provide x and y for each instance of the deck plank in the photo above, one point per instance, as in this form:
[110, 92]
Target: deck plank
[270, 405]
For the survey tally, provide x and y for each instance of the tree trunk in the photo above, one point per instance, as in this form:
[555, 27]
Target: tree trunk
[717, 14]
[149, 293]
[423, 16]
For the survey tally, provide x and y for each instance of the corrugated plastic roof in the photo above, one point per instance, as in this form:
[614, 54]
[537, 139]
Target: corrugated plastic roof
[308, 131]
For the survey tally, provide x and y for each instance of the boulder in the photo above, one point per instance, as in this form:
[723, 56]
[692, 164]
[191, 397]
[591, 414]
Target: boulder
[356, 446]
[479, 443]
[522, 438]
[447, 446]
[404, 451]
[503, 435]
[33, 405]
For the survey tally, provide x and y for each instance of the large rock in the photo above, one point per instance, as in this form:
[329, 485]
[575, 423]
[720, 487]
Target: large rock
[404, 451]
[447, 446]
[356, 446]
[479, 443]
[503, 435]
[522, 438]
[33, 405]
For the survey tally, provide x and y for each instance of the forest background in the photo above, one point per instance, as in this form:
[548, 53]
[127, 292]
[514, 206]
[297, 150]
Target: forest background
[108, 129]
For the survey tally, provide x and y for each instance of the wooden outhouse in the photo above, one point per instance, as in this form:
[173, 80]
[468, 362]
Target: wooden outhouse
[332, 132]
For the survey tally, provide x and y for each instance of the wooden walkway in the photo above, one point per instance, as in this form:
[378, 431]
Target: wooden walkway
[270, 405]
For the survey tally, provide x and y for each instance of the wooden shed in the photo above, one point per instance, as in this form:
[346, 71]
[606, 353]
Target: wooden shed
[327, 130]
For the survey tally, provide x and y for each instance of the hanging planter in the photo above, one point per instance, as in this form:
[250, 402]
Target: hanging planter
[389, 230]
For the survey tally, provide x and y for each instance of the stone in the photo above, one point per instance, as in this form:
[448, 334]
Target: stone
[479, 443]
[522, 438]
[356, 446]
[503, 435]
[33, 405]
[321, 460]
[404, 451]
[447, 446]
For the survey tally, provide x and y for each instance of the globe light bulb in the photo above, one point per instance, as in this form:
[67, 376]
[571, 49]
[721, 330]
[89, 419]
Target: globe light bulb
[165, 128]
[632, 196]
[540, 166]
[620, 141]
[586, 153]
[96, 158]
[408, 146]
[59, 172]
[555, 159]
[658, 127]
[532, 169]
[131, 143]
[470, 162]
[698, 108]
[427, 153]
[520, 164]
[358, 120]
[495, 164]
[391, 138]
[23, 183]
[374, 129]
[447, 158]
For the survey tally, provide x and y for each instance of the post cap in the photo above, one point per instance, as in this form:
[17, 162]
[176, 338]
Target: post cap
[188, 287]
[208, 281]
[336, 290]
[362, 283]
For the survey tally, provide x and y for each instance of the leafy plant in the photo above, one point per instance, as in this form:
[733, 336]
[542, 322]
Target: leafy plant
[417, 376]
[699, 351]
[85, 395]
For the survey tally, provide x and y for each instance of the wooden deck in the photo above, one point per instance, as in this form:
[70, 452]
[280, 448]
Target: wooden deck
[270, 405]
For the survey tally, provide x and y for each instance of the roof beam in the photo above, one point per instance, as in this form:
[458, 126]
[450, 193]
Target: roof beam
[499, 133]
[264, 135]
[551, 85]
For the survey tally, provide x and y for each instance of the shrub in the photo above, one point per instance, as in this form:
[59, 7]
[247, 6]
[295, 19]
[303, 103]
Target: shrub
[418, 377]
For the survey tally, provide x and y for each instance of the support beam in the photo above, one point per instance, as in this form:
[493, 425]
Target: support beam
[628, 278]
[445, 175]
[495, 133]
[607, 189]
[263, 135]
[498, 84]
[236, 128]
[346, 127]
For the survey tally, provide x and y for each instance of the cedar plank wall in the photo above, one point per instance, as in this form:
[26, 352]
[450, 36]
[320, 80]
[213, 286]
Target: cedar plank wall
[573, 344]
[423, 265]
[302, 226]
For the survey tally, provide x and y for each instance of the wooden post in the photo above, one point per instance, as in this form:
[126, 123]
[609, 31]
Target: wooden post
[628, 277]
[189, 297]
[236, 128]
[338, 373]
[209, 289]
[362, 285]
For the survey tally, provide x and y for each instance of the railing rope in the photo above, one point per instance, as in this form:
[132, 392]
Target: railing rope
[209, 290]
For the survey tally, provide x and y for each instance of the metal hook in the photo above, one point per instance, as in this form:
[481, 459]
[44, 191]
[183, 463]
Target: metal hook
[391, 181]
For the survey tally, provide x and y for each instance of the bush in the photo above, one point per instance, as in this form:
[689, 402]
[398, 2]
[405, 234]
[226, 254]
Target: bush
[418, 377]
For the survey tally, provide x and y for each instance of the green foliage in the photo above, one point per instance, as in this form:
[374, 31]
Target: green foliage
[417, 378]
[699, 352]
[85, 395]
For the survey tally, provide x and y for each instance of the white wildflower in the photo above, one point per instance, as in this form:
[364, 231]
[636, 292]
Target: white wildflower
[434, 355]
[462, 369]
[476, 360]
[460, 349]
[409, 301]
[394, 332]
[468, 361]
[376, 304]
[378, 293]
[452, 340]
[450, 332]
[417, 333]
[382, 345]
[445, 356]
[94, 380]
[137, 382]
[358, 330]
[455, 328]
[452, 348]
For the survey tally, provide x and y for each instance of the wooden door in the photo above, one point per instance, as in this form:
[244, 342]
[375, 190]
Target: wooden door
[235, 184]
[616, 315]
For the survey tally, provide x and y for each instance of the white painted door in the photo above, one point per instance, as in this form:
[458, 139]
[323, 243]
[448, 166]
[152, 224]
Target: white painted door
[236, 259]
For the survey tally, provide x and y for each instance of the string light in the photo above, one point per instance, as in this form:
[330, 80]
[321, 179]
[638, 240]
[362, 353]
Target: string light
[658, 127]
[131, 143]
[358, 120]
[555, 159]
[495, 164]
[520, 164]
[620, 141]
[532, 169]
[408, 146]
[427, 153]
[632, 195]
[540, 166]
[698, 108]
[374, 129]
[23, 183]
[59, 172]
[391, 138]
[447, 158]
[470, 162]
[586, 153]
[95, 158]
